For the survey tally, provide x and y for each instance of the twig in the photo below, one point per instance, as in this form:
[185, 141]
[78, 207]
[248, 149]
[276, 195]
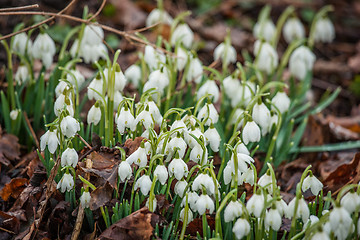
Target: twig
[78, 224]
[5, 230]
[31, 130]
[97, 12]
[83, 140]
[19, 8]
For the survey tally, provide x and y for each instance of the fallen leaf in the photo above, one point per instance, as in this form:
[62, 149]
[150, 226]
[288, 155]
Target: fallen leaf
[9, 222]
[9, 149]
[58, 224]
[138, 225]
[196, 225]
[100, 196]
[131, 145]
[13, 188]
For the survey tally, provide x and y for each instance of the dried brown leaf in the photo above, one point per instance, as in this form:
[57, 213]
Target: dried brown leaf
[13, 188]
[101, 196]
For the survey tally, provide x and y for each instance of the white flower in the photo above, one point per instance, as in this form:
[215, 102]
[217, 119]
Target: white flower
[153, 58]
[208, 112]
[182, 34]
[93, 35]
[61, 87]
[266, 57]
[155, 112]
[44, 49]
[281, 101]
[313, 183]
[227, 53]
[320, 236]
[350, 201]
[204, 180]
[241, 228]
[85, 199]
[22, 43]
[243, 160]
[119, 80]
[125, 119]
[94, 115]
[189, 217]
[176, 143]
[145, 118]
[75, 78]
[96, 84]
[69, 126]
[231, 86]
[133, 74]
[157, 16]
[248, 176]
[213, 137]
[204, 202]
[154, 204]
[144, 183]
[233, 210]
[293, 30]
[265, 30]
[209, 88]
[302, 210]
[198, 155]
[242, 96]
[255, 205]
[124, 171]
[69, 157]
[181, 58]
[180, 125]
[340, 222]
[281, 206]
[14, 114]
[117, 100]
[195, 70]
[61, 102]
[192, 199]
[265, 181]
[138, 157]
[261, 115]
[241, 148]
[229, 172]
[301, 61]
[22, 74]
[273, 219]
[324, 31]
[180, 188]
[251, 132]
[311, 221]
[66, 183]
[49, 138]
[178, 168]
[161, 173]
[190, 140]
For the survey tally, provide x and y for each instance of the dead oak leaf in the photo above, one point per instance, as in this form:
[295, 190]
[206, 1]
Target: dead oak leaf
[13, 188]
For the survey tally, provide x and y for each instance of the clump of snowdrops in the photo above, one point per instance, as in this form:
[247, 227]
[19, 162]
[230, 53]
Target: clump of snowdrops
[186, 112]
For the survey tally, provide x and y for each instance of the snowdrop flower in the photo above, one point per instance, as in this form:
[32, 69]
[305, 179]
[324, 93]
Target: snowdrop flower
[14, 114]
[232, 211]
[61, 87]
[96, 84]
[204, 180]
[44, 49]
[340, 222]
[209, 88]
[229, 172]
[227, 53]
[320, 236]
[69, 126]
[265, 30]
[248, 176]
[204, 202]
[311, 221]
[158, 16]
[66, 183]
[75, 78]
[281, 101]
[61, 102]
[302, 210]
[190, 216]
[144, 183]
[182, 34]
[138, 157]
[255, 205]
[161, 173]
[180, 188]
[231, 86]
[261, 115]
[85, 199]
[153, 58]
[241, 148]
[195, 70]
[154, 203]
[181, 58]
[208, 113]
[281, 206]
[241, 228]
[145, 118]
[119, 80]
[350, 201]
[273, 219]
[49, 138]
[69, 158]
[117, 100]
[293, 30]
[213, 137]
[133, 74]
[179, 124]
[243, 160]
[94, 115]
[155, 112]
[251, 132]
[176, 144]
[242, 96]
[198, 155]
[21, 75]
[265, 181]
[324, 31]
[125, 120]
[22, 43]
[190, 140]
[301, 61]
[266, 57]
[178, 168]
[192, 199]
[313, 183]
[93, 35]
[124, 171]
